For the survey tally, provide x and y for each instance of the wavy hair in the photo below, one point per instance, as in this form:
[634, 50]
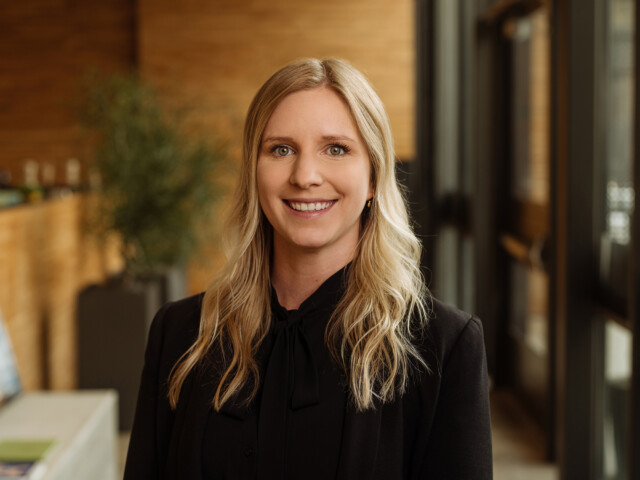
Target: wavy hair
[371, 332]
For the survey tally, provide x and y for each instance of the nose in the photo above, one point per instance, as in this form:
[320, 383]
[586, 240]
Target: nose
[306, 171]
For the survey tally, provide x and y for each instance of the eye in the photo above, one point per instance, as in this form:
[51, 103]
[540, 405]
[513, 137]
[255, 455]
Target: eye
[281, 150]
[337, 150]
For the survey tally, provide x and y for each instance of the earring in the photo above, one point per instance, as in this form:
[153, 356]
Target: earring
[369, 203]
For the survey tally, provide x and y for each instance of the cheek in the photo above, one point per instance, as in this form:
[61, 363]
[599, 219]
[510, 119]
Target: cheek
[261, 187]
[268, 187]
[357, 180]
[263, 180]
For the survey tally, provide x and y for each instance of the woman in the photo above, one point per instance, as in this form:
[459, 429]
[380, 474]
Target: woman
[317, 352]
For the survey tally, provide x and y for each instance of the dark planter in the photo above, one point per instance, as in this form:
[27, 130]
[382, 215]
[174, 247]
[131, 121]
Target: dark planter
[113, 324]
[173, 283]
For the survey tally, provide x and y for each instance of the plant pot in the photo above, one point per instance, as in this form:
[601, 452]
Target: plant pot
[172, 281]
[113, 324]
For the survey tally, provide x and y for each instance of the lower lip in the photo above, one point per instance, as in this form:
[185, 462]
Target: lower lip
[309, 214]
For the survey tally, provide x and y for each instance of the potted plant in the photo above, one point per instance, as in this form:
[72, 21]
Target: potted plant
[156, 186]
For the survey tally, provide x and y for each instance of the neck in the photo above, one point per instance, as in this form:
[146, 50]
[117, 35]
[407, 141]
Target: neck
[296, 275]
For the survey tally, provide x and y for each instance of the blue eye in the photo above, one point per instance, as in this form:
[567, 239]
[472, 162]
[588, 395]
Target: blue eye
[336, 150]
[281, 151]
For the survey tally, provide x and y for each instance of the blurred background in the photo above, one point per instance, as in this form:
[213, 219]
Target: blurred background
[515, 129]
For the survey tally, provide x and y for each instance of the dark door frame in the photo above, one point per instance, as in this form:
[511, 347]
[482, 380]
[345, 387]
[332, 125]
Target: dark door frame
[573, 185]
[634, 293]
[421, 170]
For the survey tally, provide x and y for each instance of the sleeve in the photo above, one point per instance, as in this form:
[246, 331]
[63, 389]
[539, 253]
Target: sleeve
[142, 456]
[459, 444]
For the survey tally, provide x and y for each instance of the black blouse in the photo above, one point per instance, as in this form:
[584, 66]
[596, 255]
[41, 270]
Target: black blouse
[301, 424]
[295, 424]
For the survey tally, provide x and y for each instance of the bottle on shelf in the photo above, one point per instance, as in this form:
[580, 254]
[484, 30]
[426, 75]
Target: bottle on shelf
[30, 187]
[5, 179]
[73, 174]
[48, 176]
[53, 187]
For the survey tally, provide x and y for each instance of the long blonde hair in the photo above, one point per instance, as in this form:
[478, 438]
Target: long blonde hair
[371, 332]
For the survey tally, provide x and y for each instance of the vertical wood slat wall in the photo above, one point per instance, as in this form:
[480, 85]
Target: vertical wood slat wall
[45, 260]
[46, 49]
[216, 53]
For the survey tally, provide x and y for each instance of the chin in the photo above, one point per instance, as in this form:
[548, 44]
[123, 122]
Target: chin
[310, 244]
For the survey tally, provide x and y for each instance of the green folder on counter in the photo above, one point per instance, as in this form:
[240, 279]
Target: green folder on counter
[24, 450]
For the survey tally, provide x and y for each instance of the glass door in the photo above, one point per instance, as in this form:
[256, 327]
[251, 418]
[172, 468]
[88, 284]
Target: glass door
[596, 175]
[613, 213]
[524, 231]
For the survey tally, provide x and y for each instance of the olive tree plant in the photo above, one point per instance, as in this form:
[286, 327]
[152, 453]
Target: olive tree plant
[156, 181]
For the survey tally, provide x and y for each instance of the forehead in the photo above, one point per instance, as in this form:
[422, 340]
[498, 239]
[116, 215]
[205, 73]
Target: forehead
[319, 108]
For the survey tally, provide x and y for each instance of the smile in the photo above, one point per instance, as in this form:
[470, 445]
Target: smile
[310, 206]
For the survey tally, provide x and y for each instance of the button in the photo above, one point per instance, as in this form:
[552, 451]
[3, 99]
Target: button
[248, 452]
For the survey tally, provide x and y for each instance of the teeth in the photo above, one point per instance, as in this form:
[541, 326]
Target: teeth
[309, 207]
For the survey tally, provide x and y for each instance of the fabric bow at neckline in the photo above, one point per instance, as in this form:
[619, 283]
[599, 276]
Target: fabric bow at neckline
[291, 380]
[291, 355]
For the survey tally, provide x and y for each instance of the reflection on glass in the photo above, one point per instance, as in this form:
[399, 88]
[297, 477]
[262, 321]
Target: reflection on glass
[446, 265]
[617, 381]
[618, 190]
[619, 209]
[531, 107]
[529, 336]
[530, 287]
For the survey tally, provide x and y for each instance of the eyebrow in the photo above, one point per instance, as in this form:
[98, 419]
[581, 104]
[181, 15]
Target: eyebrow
[331, 138]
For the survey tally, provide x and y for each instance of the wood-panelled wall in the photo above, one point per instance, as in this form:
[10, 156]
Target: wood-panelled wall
[46, 48]
[45, 259]
[216, 53]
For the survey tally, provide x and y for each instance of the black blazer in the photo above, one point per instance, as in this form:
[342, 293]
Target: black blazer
[440, 428]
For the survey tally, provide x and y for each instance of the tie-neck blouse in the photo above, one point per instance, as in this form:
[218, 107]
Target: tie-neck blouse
[294, 425]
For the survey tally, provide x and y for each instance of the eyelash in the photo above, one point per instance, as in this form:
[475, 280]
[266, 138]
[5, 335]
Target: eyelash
[275, 148]
[344, 148]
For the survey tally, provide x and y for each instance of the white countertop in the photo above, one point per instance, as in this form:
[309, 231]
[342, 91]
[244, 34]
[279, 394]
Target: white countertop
[82, 423]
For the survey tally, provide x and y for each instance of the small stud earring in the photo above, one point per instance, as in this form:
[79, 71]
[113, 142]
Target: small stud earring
[369, 203]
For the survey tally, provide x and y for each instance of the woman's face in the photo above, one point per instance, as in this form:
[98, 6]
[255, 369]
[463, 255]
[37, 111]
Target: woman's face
[314, 174]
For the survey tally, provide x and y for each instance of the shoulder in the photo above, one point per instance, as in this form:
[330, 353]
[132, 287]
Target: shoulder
[180, 315]
[174, 328]
[453, 397]
[450, 329]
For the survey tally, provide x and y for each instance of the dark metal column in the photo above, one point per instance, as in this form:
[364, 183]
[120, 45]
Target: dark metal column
[634, 294]
[421, 178]
[575, 111]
